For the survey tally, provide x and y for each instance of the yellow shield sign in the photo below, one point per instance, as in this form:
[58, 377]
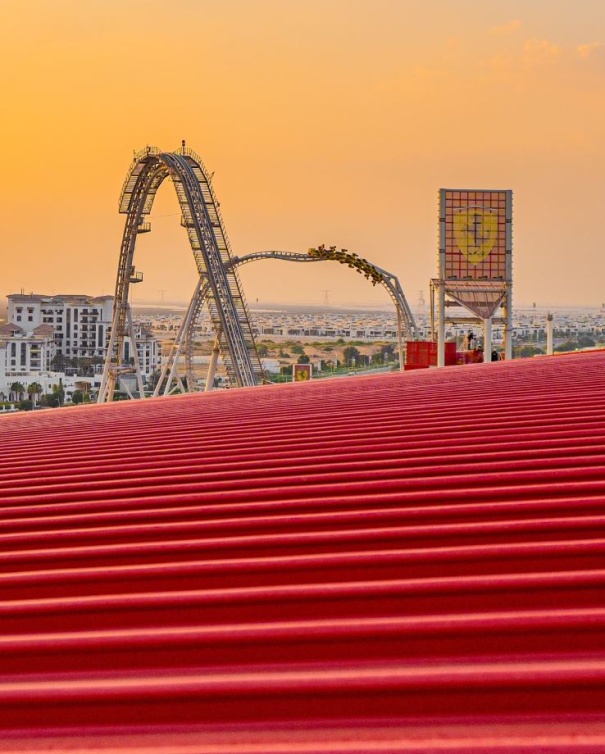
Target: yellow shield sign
[475, 231]
[302, 372]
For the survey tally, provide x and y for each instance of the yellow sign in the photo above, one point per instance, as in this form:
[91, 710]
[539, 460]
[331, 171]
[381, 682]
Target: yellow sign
[302, 372]
[475, 231]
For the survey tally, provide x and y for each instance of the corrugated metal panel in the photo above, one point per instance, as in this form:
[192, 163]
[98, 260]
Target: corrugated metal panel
[407, 562]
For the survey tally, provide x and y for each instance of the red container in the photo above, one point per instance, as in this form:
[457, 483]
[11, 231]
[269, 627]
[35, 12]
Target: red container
[411, 352]
[420, 352]
[423, 353]
[450, 355]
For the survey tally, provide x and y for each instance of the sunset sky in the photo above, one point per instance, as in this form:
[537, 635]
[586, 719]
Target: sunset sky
[325, 121]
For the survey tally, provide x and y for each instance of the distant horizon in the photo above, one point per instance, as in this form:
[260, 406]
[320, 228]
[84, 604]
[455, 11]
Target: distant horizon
[347, 305]
[358, 305]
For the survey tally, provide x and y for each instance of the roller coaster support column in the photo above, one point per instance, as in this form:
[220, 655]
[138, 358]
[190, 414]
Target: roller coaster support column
[400, 341]
[111, 372]
[441, 323]
[212, 366]
[169, 370]
[135, 354]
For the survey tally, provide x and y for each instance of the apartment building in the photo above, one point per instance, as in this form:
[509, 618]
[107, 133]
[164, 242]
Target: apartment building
[26, 351]
[81, 326]
[81, 323]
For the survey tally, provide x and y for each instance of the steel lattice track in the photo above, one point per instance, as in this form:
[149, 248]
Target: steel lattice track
[226, 303]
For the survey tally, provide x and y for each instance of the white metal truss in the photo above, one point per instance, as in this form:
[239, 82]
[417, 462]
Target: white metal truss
[183, 346]
[201, 217]
[406, 325]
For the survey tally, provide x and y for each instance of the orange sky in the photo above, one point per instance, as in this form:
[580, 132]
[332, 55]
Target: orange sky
[325, 121]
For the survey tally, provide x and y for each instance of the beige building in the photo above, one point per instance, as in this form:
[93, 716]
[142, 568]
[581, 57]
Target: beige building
[80, 327]
[81, 323]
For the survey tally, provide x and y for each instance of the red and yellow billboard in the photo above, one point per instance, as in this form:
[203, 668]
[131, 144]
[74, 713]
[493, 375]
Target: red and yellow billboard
[475, 234]
[301, 372]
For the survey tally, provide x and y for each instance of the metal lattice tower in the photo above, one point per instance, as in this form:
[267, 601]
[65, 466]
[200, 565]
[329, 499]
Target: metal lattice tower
[222, 289]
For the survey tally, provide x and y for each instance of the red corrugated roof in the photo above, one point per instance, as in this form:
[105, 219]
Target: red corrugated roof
[406, 562]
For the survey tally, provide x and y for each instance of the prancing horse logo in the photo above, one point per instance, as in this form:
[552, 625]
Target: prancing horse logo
[475, 231]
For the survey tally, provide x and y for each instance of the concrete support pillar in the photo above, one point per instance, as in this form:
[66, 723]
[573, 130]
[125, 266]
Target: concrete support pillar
[441, 326]
[400, 341]
[212, 366]
[508, 323]
[487, 339]
[549, 334]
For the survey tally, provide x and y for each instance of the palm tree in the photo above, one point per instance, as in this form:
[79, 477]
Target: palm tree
[33, 390]
[16, 391]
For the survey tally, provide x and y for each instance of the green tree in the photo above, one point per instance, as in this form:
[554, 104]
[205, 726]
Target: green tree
[58, 363]
[59, 393]
[528, 351]
[568, 345]
[77, 397]
[16, 391]
[153, 379]
[262, 350]
[387, 352]
[303, 359]
[298, 349]
[34, 389]
[351, 356]
[26, 405]
[585, 341]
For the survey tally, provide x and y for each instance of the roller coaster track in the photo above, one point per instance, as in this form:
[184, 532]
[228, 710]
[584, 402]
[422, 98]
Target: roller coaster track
[184, 342]
[222, 292]
[373, 273]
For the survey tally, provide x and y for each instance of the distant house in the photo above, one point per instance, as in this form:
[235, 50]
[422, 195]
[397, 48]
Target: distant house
[26, 351]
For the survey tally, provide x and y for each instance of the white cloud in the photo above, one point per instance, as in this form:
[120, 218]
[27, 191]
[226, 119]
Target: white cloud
[540, 51]
[586, 49]
[504, 29]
